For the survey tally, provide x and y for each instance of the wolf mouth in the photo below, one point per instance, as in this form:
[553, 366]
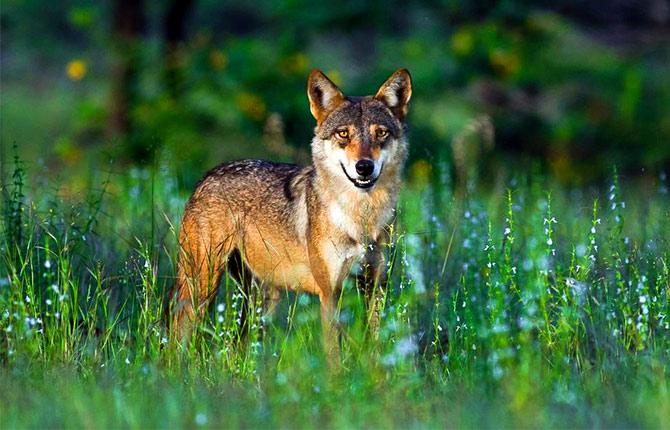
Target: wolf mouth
[362, 183]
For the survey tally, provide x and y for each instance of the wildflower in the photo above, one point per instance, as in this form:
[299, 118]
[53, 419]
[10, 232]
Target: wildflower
[201, 418]
[404, 347]
[218, 59]
[578, 288]
[47, 264]
[76, 70]
[220, 308]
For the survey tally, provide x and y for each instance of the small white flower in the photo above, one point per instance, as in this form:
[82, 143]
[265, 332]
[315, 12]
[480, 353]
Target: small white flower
[47, 264]
[201, 418]
[550, 242]
[220, 308]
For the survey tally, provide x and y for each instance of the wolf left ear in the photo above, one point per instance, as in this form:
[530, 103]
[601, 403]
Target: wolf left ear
[396, 92]
[323, 94]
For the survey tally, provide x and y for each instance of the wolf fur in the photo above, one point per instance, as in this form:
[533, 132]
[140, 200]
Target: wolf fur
[302, 228]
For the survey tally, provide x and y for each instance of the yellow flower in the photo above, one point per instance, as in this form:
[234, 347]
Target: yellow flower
[76, 70]
[505, 63]
[295, 64]
[462, 42]
[218, 59]
[420, 173]
[67, 151]
[251, 105]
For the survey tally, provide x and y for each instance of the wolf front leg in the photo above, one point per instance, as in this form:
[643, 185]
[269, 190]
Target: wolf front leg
[328, 285]
[329, 328]
[372, 283]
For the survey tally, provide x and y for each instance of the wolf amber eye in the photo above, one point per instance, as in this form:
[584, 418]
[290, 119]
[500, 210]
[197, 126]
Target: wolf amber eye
[342, 134]
[382, 133]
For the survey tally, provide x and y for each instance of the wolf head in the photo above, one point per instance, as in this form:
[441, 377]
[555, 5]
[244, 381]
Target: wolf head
[359, 140]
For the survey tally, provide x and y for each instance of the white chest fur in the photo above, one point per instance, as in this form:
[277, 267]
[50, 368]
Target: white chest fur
[358, 219]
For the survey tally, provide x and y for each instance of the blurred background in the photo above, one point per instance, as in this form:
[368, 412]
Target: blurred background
[572, 87]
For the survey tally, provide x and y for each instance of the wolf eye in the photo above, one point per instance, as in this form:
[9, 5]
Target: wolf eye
[382, 133]
[342, 134]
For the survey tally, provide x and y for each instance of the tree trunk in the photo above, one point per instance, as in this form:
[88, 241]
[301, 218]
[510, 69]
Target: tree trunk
[174, 32]
[128, 26]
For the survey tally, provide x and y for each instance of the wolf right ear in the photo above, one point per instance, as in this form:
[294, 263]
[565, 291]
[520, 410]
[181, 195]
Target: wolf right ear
[396, 92]
[323, 94]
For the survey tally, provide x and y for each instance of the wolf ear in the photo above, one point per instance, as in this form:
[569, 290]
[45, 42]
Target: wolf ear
[324, 96]
[396, 92]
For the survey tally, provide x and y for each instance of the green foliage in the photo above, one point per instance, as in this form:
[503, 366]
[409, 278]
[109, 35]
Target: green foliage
[576, 100]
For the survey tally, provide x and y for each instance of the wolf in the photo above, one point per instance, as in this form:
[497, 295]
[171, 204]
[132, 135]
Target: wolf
[302, 228]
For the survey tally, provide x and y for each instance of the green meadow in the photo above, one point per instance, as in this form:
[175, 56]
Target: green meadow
[529, 304]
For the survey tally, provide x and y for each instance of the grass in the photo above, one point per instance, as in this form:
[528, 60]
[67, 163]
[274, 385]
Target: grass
[538, 306]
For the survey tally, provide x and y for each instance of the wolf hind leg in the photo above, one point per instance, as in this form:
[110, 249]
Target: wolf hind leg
[255, 293]
[199, 270]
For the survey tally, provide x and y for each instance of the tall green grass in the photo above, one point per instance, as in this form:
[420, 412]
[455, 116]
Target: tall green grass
[538, 306]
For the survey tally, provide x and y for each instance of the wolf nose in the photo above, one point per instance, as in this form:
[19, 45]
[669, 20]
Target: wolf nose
[365, 167]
